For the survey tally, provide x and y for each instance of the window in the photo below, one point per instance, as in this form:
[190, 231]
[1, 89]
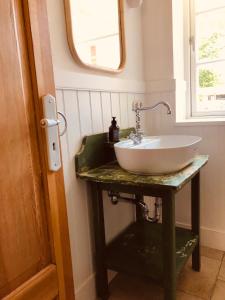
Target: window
[207, 57]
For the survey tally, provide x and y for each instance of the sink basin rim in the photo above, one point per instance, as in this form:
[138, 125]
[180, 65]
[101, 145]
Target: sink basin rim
[127, 144]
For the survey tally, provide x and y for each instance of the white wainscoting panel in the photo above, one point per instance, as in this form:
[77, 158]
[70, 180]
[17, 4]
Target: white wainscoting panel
[90, 112]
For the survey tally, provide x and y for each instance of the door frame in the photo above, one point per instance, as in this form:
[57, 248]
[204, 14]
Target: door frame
[40, 61]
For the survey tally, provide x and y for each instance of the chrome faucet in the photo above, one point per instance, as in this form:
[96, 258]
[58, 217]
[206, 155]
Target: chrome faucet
[137, 108]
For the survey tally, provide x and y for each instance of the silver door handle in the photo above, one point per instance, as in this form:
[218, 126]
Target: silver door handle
[50, 123]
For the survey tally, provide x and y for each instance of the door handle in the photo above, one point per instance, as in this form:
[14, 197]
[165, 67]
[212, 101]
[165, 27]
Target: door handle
[50, 123]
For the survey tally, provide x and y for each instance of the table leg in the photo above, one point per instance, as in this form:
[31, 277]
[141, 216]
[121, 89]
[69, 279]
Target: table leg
[169, 246]
[195, 220]
[100, 246]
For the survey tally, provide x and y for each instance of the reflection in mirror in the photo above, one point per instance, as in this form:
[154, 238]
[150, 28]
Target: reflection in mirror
[95, 33]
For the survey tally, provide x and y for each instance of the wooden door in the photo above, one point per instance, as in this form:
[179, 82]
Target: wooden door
[35, 260]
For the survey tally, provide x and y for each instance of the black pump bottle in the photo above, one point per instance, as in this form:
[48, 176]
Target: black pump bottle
[114, 131]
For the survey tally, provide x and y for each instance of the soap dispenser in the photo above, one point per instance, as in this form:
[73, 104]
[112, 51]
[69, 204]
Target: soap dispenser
[114, 131]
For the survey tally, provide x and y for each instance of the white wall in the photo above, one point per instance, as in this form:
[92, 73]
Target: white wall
[159, 57]
[65, 64]
[89, 111]
[157, 47]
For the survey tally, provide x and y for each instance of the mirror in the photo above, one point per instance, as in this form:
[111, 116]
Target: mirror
[95, 32]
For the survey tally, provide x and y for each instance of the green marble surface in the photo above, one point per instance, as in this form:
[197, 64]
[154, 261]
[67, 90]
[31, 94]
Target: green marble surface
[113, 173]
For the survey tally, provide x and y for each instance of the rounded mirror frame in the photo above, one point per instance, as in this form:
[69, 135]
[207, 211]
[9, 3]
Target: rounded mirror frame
[72, 47]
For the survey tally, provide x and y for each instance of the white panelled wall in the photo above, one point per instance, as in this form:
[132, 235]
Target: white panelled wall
[90, 112]
[89, 99]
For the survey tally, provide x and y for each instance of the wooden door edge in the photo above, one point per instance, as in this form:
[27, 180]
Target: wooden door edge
[38, 40]
[43, 284]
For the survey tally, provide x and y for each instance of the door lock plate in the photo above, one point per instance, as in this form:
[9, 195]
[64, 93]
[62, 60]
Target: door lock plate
[50, 124]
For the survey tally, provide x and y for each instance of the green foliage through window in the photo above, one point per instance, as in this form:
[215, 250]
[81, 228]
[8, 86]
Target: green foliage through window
[209, 48]
[207, 78]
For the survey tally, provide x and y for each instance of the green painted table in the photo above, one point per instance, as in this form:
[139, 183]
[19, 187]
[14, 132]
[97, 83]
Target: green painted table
[158, 251]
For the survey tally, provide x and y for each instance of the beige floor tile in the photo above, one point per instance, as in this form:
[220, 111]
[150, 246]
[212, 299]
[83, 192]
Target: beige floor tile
[199, 284]
[212, 253]
[219, 291]
[222, 271]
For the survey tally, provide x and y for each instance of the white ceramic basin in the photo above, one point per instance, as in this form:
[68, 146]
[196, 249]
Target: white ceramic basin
[157, 154]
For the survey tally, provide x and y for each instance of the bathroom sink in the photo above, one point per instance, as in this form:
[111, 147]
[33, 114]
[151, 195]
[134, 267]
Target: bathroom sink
[157, 154]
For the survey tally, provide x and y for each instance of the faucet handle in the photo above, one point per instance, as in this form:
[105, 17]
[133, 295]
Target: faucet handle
[139, 104]
[131, 135]
[136, 105]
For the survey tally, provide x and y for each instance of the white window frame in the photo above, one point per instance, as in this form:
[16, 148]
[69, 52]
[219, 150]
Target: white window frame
[192, 67]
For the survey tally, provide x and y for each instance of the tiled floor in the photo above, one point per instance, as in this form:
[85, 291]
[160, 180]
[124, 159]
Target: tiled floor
[207, 284]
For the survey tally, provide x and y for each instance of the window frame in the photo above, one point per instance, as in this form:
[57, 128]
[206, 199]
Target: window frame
[192, 107]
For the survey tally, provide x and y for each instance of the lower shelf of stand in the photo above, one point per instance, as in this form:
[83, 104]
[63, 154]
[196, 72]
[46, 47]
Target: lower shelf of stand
[138, 250]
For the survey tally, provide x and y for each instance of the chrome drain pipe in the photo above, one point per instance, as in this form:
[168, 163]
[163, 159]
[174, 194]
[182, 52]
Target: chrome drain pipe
[115, 198]
[145, 211]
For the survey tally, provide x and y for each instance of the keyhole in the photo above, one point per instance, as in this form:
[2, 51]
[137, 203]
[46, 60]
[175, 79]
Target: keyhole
[53, 146]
